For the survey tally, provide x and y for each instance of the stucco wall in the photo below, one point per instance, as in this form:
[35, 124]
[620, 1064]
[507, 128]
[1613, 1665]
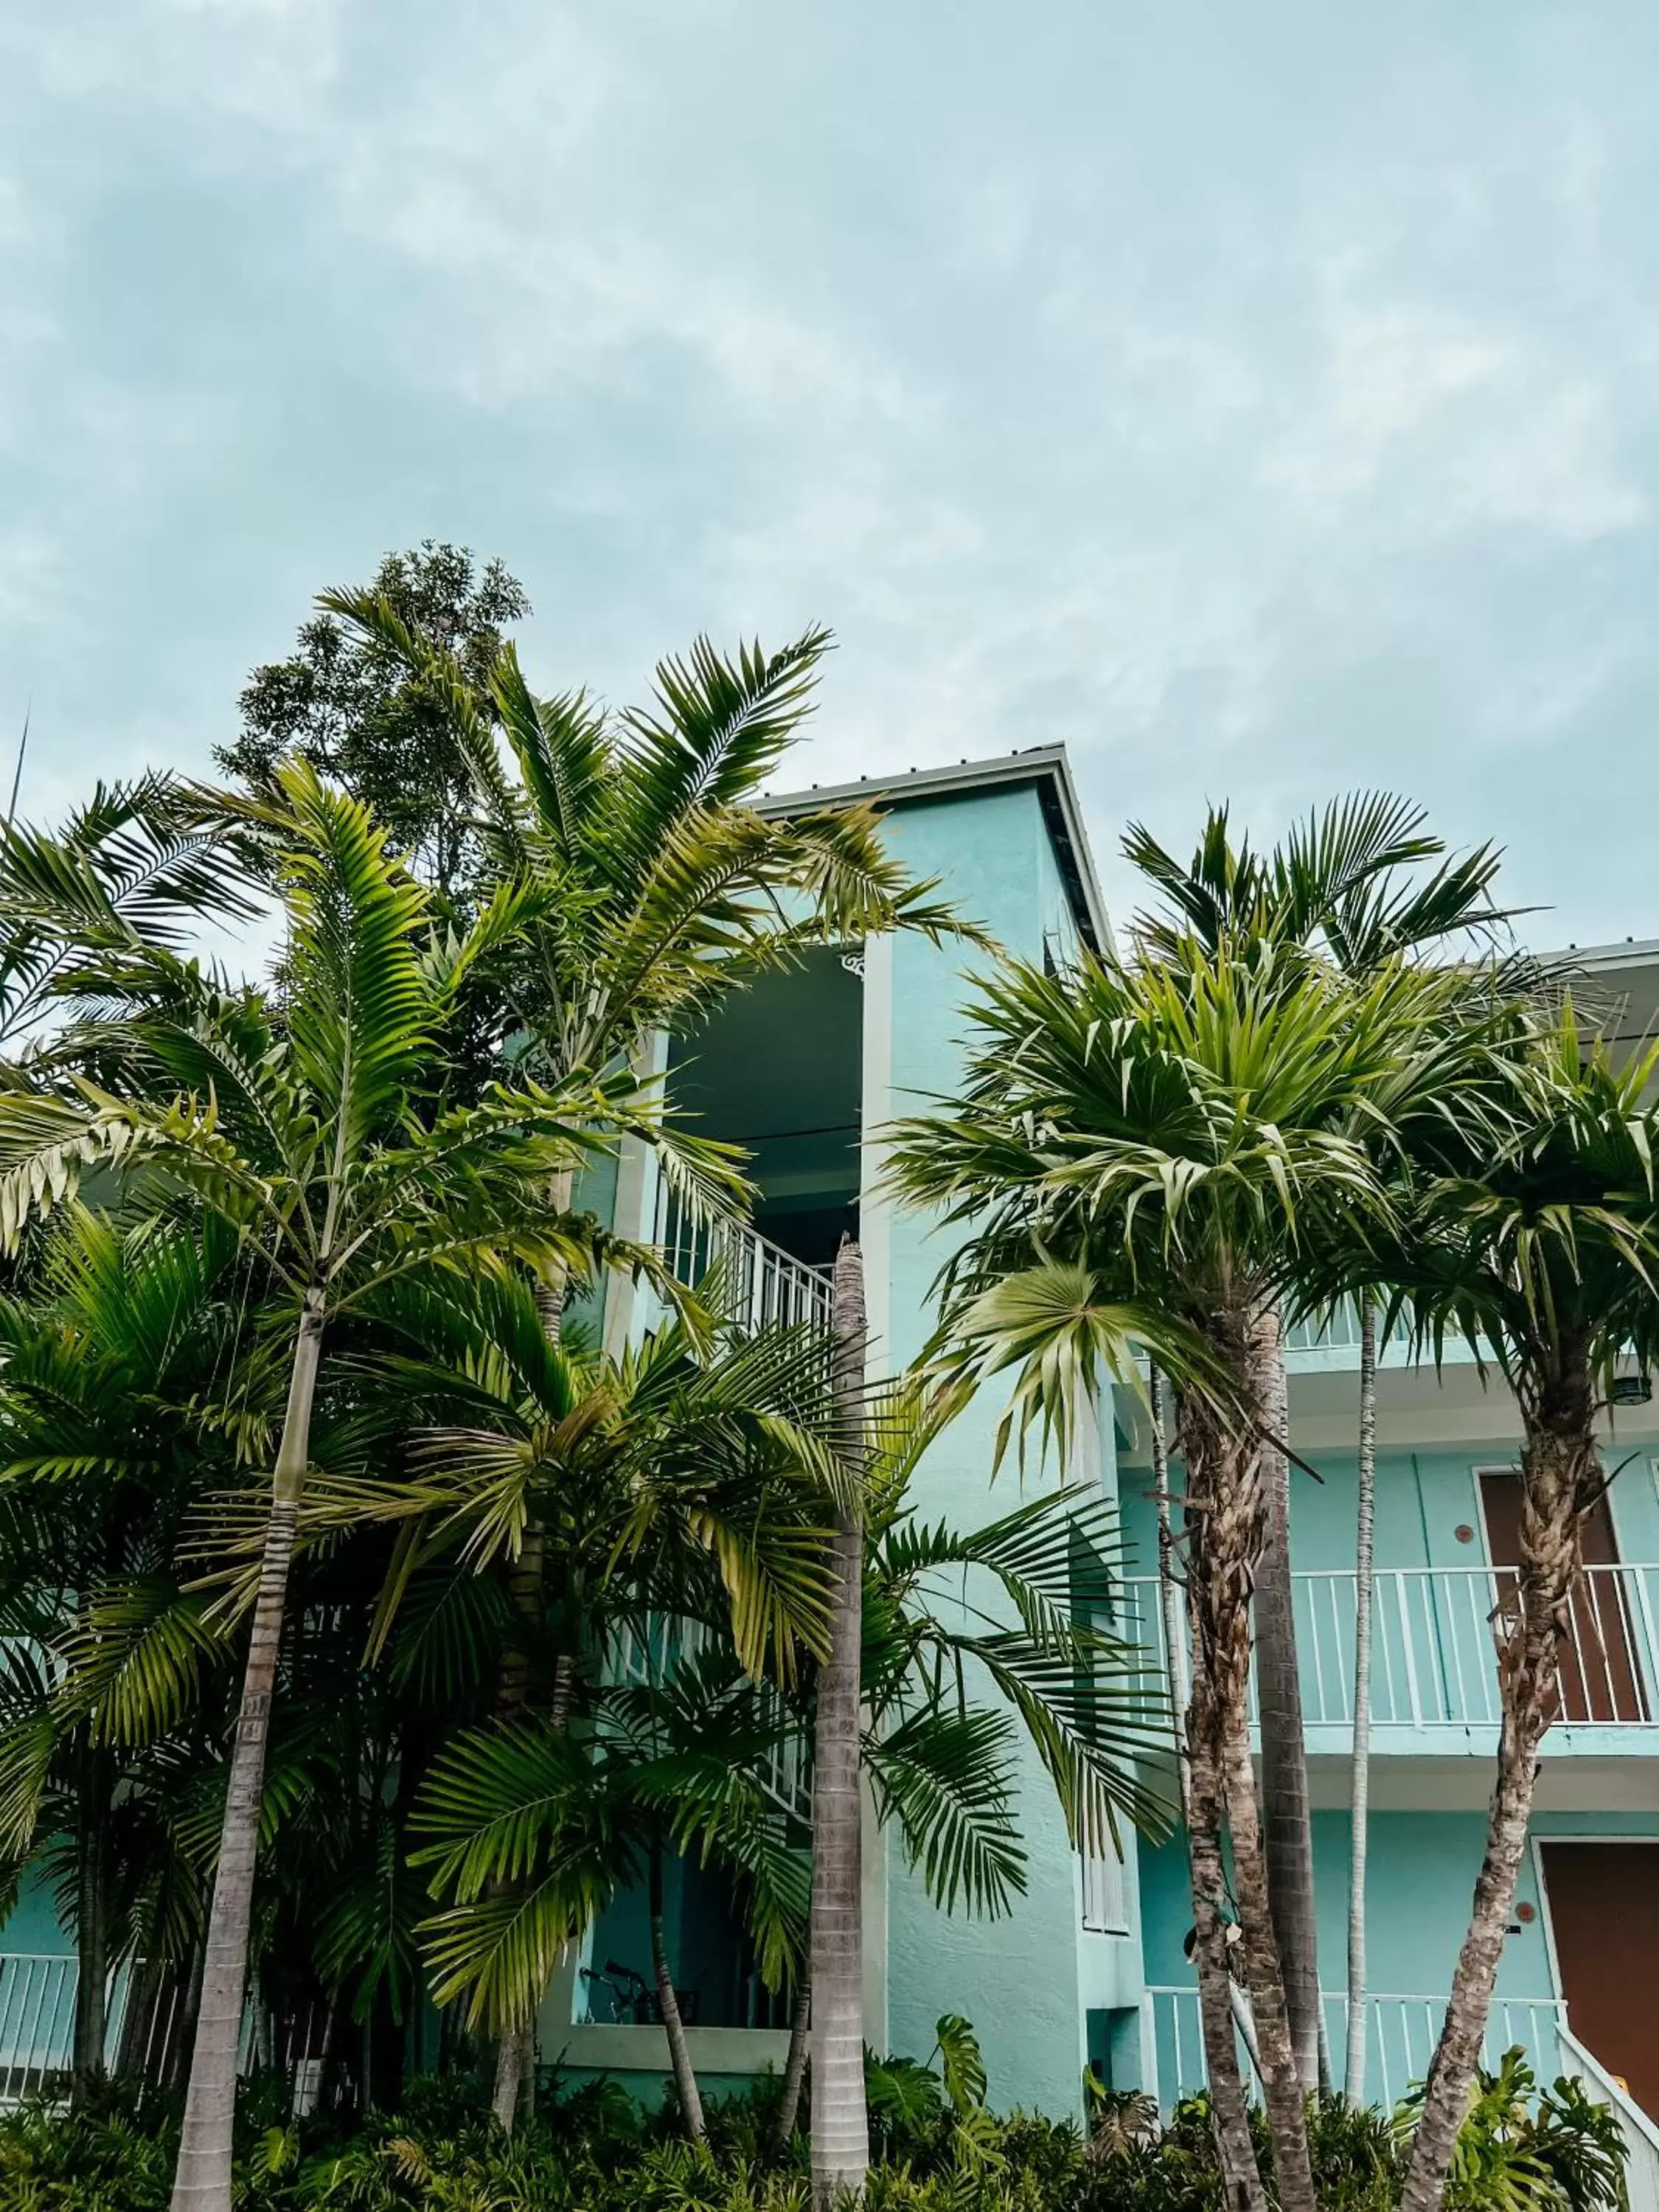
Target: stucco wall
[1019, 1980]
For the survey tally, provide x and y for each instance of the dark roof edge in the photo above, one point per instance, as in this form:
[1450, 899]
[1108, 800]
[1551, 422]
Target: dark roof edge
[1046, 766]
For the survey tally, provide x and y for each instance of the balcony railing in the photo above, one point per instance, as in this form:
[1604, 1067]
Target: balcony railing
[765, 1287]
[785, 1774]
[1338, 1330]
[1402, 2031]
[1433, 1650]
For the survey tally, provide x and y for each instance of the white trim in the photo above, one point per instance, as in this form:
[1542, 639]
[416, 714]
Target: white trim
[1037, 764]
[1536, 1844]
[875, 1112]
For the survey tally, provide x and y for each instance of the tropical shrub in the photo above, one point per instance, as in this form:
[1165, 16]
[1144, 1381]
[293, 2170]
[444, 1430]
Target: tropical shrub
[937, 2148]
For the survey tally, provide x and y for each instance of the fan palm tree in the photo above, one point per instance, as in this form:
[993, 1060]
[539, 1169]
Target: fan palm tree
[1532, 1230]
[1176, 1132]
[1352, 885]
[301, 1124]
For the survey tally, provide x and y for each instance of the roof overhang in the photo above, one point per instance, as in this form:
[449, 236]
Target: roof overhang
[1045, 768]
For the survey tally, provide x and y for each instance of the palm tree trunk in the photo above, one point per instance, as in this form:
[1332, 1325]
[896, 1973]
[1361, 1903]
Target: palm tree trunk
[1287, 1825]
[515, 2053]
[202, 2179]
[1224, 1521]
[668, 2007]
[1200, 1814]
[1282, 2086]
[841, 2126]
[794, 2071]
[91, 1923]
[1229, 2112]
[1354, 2063]
[1561, 1474]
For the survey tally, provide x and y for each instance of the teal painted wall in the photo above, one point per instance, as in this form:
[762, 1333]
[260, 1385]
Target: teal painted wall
[1420, 1879]
[1019, 1980]
[33, 1924]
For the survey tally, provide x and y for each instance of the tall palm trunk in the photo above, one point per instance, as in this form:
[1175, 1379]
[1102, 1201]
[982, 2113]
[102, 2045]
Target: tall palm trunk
[668, 2007]
[1354, 2064]
[92, 1873]
[1229, 2112]
[1225, 1524]
[1286, 1820]
[795, 2070]
[1561, 1474]
[202, 2179]
[515, 2054]
[841, 2126]
[1200, 1814]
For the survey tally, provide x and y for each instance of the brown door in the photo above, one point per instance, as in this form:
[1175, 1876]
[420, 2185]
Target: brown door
[1599, 1677]
[1604, 1915]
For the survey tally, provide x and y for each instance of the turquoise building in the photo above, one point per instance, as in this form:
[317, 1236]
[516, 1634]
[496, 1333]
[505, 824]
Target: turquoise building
[806, 1070]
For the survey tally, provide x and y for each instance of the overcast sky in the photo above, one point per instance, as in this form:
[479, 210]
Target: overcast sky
[1259, 398]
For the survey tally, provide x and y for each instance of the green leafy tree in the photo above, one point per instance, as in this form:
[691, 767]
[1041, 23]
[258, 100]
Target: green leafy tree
[361, 717]
[302, 1125]
[1175, 1136]
[125, 1399]
[1360, 883]
[1534, 1231]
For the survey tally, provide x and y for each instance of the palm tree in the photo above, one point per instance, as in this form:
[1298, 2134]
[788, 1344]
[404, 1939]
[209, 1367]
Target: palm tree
[841, 2125]
[680, 1483]
[1533, 1230]
[302, 1125]
[117, 1371]
[1177, 1134]
[665, 887]
[668, 1764]
[139, 864]
[936, 1755]
[1346, 886]
[661, 887]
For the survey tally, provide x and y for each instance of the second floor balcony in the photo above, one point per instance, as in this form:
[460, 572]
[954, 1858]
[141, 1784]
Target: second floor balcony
[1434, 1661]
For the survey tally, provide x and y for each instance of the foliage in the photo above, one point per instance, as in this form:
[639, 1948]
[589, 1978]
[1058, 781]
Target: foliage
[1519, 2150]
[590, 2148]
[356, 713]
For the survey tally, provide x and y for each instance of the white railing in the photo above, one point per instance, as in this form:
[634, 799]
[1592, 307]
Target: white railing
[1433, 1649]
[37, 2021]
[1402, 2034]
[1338, 1330]
[1641, 2135]
[785, 1774]
[765, 1287]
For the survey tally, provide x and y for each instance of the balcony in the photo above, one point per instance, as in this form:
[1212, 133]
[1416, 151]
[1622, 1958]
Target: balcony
[1401, 2034]
[766, 1287]
[1434, 1675]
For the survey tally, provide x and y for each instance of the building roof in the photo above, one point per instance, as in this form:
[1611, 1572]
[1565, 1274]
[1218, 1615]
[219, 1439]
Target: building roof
[1620, 985]
[1044, 766]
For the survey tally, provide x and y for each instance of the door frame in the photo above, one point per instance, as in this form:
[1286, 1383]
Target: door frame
[1535, 1849]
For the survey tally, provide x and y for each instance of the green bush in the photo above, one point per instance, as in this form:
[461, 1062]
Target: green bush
[938, 2148]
